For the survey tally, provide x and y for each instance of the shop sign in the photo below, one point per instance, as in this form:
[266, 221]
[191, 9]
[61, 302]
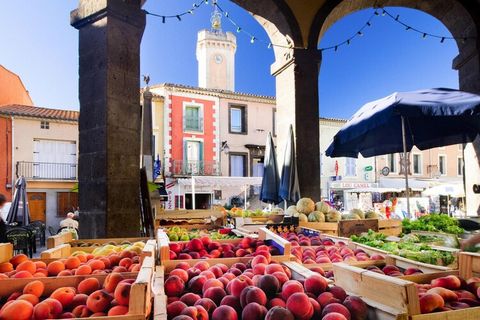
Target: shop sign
[352, 185]
[368, 168]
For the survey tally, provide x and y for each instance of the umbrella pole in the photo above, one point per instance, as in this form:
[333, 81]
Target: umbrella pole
[405, 165]
[193, 193]
[245, 202]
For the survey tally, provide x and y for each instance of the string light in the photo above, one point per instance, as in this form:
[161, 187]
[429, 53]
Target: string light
[178, 16]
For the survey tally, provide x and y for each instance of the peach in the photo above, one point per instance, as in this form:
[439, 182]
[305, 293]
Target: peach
[334, 316]
[22, 274]
[259, 268]
[208, 304]
[175, 308]
[195, 245]
[122, 293]
[47, 310]
[216, 294]
[65, 273]
[55, 305]
[410, 271]
[78, 300]
[318, 270]
[357, 307]
[464, 294]
[447, 295]
[118, 311]
[55, 267]
[202, 265]
[259, 259]
[271, 268]
[195, 284]
[29, 297]
[279, 313]
[336, 308]
[254, 311]
[72, 262]
[276, 302]
[182, 274]
[111, 281]
[81, 311]
[88, 285]
[290, 287]
[238, 284]
[6, 267]
[299, 305]
[190, 298]
[96, 264]
[470, 302]
[281, 276]
[233, 302]
[315, 284]
[35, 287]
[430, 301]
[252, 294]
[17, 310]
[17, 259]
[195, 312]
[269, 284]
[449, 282]
[174, 286]
[338, 292]
[64, 295]
[99, 300]
[83, 270]
[224, 313]
[457, 305]
[208, 274]
[210, 283]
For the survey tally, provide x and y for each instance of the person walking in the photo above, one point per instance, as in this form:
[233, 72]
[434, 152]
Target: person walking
[3, 225]
[69, 222]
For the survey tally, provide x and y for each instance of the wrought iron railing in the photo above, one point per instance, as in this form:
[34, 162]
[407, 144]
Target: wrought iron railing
[46, 170]
[196, 168]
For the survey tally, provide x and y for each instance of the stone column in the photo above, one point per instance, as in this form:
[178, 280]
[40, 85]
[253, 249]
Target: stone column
[297, 104]
[110, 32]
[147, 133]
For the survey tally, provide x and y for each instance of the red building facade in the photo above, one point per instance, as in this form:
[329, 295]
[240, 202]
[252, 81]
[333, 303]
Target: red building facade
[6, 157]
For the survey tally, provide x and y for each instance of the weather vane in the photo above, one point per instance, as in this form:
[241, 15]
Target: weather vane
[216, 19]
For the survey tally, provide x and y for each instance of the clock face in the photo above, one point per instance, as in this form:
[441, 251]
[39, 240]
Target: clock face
[218, 59]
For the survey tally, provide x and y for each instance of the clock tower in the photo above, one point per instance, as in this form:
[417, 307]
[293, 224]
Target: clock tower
[216, 56]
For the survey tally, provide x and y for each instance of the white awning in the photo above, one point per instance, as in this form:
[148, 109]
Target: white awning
[379, 190]
[221, 181]
[446, 189]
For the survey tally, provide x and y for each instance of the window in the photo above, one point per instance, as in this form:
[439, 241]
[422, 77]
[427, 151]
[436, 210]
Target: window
[460, 166]
[238, 165]
[274, 122]
[417, 164]
[350, 167]
[391, 164]
[66, 202]
[44, 125]
[192, 120]
[442, 167]
[238, 119]
[55, 160]
[178, 202]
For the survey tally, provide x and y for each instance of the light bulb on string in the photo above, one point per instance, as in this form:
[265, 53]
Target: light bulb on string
[269, 45]
[252, 39]
[375, 12]
[424, 35]
[397, 17]
[195, 5]
[163, 19]
[239, 29]
[336, 48]
[348, 41]
[384, 13]
[408, 28]
[179, 18]
[190, 11]
[369, 24]
[226, 14]
[206, 1]
[442, 40]
[360, 33]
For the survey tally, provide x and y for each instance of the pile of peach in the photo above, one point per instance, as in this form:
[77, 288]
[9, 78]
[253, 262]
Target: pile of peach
[335, 253]
[449, 293]
[88, 299]
[206, 248]
[299, 239]
[257, 290]
[83, 264]
[394, 271]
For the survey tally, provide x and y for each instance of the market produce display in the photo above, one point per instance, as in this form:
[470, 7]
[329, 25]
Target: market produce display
[407, 249]
[79, 263]
[257, 290]
[205, 247]
[433, 222]
[89, 298]
[182, 234]
[334, 253]
[389, 270]
[449, 293]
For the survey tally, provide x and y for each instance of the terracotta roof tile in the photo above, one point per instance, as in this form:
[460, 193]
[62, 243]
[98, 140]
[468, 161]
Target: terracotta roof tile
[38, 112]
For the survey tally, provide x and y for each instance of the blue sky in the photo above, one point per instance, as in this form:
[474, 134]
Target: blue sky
[40, 45]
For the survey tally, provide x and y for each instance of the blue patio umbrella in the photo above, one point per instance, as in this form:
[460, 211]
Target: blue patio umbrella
[270, 181]
[425, 119]
[19, 211]
[289, 187]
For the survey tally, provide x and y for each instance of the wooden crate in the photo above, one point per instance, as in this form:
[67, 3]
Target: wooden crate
[160, 299]
[66, 250]
[192, 219]
[397, 297]
[140, 305]
[6, 252]
[272, 239]
[344, 228]
[469, 264]
[390, 227]
[59, 239]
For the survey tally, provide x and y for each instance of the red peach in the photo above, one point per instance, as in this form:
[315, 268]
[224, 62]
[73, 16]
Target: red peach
[207, 304]
[254, 311]
[336, 308]
[224, 313]
[299, 305]
[252, 294]
[290, 287]
[174, 286]
[175, 308]
[279, 313]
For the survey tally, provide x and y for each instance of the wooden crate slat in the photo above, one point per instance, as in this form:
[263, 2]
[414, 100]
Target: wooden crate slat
[57, 252]
[469, 264]
[6, 252]
[59, 239]
[140, 293]
[464, 314]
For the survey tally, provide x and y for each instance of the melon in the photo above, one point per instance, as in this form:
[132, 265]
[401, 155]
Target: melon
[302, 217]
[316, 216]
[292, 211]
[305, 205]
[323, 207]
[371, 215]
[333, 216]
[358, 212]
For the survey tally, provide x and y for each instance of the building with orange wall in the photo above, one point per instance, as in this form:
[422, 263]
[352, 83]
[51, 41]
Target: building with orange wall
[12, 90]
[6, 157]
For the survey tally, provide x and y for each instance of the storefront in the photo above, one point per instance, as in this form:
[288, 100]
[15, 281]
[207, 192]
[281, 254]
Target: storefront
[344, 200]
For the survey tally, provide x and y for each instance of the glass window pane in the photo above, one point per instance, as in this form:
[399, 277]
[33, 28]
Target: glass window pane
[237, 165]
[416, 164]
[192, 119]
[236, 123]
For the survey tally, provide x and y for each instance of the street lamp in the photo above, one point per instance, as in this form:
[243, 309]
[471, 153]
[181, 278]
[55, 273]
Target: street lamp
[225, 148]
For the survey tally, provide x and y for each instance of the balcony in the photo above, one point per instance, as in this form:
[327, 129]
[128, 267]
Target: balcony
[195, 168]
[47, 171]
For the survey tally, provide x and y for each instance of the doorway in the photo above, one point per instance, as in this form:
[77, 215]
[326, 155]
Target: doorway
[37, 204]
[202, 201]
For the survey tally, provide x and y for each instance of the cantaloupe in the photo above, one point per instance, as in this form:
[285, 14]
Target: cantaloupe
[305, 205]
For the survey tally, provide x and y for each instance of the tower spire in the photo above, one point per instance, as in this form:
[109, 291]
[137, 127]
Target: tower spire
[216, 19]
